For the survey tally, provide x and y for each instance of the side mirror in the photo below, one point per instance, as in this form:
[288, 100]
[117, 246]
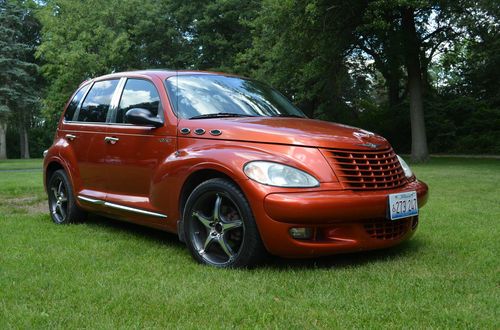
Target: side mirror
[140, 116]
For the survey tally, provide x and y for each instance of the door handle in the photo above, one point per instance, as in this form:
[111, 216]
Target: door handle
[111, 140]
[70, 137]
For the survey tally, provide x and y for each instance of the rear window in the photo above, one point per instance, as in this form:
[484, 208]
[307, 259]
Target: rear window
[96, 105]
[70, 110]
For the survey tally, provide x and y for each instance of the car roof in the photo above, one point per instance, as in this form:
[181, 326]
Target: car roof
[159, 73]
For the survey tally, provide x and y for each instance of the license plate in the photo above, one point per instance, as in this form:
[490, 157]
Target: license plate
[403, 205]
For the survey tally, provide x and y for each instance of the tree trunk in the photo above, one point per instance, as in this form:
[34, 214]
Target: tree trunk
[419, 151]
[23, 142]
[3, 140]
[393, 91]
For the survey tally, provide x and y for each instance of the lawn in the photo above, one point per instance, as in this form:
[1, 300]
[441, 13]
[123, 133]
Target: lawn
[107, 274]
[20, 164]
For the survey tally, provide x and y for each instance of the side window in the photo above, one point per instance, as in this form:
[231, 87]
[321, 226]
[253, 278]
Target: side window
[96, 105]
[138, 93]
[70, 110]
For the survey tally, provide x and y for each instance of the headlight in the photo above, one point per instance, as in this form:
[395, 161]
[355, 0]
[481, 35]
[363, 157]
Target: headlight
[279, 175]
[406, 168]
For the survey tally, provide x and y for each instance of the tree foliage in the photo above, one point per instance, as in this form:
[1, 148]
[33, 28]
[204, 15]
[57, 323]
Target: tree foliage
[84, 39]
[371, 63]
[18, 73]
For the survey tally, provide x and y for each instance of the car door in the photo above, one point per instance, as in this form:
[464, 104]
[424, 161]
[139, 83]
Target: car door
[134, 153]
[85, 131]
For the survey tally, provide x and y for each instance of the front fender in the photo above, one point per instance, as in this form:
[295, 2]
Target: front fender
[173, 173]
[228, 158]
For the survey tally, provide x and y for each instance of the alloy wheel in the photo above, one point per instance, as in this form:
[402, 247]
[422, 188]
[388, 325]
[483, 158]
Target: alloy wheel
[59, 200]
[217, 228]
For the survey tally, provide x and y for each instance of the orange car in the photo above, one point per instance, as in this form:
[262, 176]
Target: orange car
[230, 165]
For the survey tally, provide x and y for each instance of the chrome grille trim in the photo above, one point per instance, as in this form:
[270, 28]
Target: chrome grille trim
[366, 170]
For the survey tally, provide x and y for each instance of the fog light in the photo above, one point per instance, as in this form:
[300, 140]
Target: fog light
[301, 233]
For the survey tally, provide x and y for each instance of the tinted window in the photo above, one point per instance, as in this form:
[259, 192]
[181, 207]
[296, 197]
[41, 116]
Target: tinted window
[209, 95]
[96, 104]
[70, 111]
[138, 94]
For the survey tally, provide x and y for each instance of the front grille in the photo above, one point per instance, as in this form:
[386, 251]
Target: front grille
[367, 170]
[390, 229]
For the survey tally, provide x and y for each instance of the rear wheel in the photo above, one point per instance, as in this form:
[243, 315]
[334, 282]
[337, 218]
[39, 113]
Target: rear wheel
[219, 226]
[62, 204]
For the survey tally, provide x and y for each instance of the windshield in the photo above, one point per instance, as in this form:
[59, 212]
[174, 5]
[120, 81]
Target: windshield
[208, 96]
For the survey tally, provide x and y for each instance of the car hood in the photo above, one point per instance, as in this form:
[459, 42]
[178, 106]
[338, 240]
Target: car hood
[289, 131]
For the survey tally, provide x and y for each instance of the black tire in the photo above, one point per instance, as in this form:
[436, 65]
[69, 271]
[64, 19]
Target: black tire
[62, 204]
[227, 239]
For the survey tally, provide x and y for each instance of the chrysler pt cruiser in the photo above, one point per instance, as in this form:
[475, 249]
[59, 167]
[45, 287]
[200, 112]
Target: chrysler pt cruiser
[229, 165]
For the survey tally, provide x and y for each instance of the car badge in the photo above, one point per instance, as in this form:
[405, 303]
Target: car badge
[362, 135]
[370, 145]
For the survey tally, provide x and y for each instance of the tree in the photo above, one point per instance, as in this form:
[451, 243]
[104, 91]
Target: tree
[84, 39]
[472, 64]
[393, 66]
[402, 37]
[379, 37]
[411, 49]
[216, 31]
[301, 49]
[18, 95]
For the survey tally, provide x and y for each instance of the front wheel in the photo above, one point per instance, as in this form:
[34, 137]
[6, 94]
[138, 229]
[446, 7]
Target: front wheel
[219, 226]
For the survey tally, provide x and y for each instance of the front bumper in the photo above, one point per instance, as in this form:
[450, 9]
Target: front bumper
[341, 221]
[334, 206]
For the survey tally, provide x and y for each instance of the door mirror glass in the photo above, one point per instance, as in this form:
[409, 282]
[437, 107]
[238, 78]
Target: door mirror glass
[140, 116]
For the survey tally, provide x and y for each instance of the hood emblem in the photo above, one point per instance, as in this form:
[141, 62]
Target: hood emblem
[362, 134]
[369, 145]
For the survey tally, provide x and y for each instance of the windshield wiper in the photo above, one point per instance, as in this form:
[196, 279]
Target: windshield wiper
[220, 115]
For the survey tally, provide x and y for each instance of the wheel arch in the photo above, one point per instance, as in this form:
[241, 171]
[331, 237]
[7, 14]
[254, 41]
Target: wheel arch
[50, 169]
[56, 163]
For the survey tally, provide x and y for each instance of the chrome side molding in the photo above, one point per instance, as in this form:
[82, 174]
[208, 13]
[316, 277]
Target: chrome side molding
[91, 200]
[132, 209]
[120, 207]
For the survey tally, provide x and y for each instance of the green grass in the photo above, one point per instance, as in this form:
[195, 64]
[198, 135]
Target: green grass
[20, 164]
[107, 274]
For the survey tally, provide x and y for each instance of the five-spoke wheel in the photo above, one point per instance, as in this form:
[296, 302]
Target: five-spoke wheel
[62, 206]
[219, 226]
[59, 200]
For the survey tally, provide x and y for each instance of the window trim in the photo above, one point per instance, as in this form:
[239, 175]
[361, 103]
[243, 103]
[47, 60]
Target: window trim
[77, 111]
[114, 110]
[111, 115]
